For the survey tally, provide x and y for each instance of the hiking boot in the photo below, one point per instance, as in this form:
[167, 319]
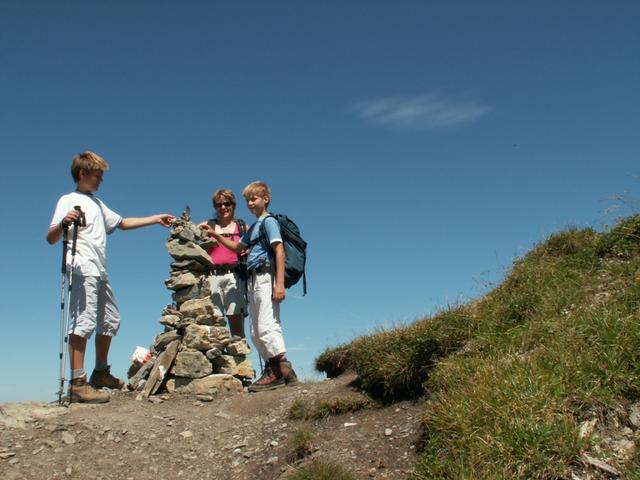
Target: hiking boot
[289, 374]
[81, 392]
[103, 378]
[270, 380]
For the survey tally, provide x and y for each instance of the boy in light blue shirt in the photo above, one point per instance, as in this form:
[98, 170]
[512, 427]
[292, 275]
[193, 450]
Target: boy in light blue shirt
[265, 288]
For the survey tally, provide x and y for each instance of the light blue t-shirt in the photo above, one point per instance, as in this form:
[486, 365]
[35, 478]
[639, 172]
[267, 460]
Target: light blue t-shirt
[258, 253]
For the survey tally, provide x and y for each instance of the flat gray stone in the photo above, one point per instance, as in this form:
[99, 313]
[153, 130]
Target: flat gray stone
[170, 320]
[188, 251]
[205, 337]
[190, 265]
[136, 381]
[199, 290]
[160, 369]
[214, 384]
[197, 306]
[182, 280]
[164, 339]
[238, 347]
[191, 365]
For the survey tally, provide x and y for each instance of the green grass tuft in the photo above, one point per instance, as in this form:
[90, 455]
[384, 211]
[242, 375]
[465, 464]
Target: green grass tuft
[623, 240]
[299, 409]
[321, 471]
[334, 361]
[300, 445]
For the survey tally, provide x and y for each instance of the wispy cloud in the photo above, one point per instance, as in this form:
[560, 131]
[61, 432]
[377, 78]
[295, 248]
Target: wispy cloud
[422, 112]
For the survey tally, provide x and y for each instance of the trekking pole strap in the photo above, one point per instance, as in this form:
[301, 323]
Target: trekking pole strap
[65, 244]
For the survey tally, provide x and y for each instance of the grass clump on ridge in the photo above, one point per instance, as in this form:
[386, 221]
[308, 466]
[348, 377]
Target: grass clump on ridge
[393, 364]
[334, 361]
[317, 470]
[303, 410]
[560, 335]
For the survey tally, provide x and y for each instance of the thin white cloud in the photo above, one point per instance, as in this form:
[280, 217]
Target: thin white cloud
[422, 112]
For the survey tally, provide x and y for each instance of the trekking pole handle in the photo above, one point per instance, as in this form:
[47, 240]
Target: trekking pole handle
[81, 220]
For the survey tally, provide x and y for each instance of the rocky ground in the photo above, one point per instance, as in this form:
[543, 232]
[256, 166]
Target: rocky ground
[235, 436]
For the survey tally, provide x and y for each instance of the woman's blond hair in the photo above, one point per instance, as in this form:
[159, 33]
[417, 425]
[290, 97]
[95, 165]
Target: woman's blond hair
[88, 161]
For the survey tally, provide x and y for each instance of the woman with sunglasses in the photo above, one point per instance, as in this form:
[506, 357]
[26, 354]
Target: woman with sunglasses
[228, 274]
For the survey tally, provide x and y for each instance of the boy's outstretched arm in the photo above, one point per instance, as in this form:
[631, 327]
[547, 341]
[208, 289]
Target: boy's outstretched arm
[278, 290]
[237, 247]
[163, 219]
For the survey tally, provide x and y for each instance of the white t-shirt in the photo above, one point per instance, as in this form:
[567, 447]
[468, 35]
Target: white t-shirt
[90, 259]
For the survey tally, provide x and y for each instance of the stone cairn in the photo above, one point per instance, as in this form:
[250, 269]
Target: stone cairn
[195, 353]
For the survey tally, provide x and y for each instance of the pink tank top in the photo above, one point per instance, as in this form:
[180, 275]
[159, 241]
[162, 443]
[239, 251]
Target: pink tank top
[221, 255]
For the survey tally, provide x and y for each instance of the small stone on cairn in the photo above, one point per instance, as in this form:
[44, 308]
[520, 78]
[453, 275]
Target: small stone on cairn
[195, 353]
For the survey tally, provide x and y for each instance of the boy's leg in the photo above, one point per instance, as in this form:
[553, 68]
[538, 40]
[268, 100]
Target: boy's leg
[266, 332]
[103, 342]
[83, 308]
[260, 308]
[108, 325]
[77, 347]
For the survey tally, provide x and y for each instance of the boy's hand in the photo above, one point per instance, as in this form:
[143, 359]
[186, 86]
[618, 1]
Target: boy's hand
[70, 218]
[165, 219]
[278, 293]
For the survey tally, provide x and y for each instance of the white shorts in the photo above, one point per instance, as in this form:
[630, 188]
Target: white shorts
[266, 331]
[228, 294]
[92, 307]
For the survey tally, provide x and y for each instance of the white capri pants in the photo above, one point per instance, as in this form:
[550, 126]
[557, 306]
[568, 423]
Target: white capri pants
[92, 307]
[266, 331]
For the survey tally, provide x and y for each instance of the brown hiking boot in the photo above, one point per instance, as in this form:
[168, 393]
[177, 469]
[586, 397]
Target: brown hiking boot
[271, 377]
[81, 392]
[103, 378]
[289, 374]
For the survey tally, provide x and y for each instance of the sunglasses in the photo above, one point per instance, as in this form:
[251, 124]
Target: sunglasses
[223, 204]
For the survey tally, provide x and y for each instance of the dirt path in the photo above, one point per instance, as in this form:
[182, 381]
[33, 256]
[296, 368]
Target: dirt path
[242, 436]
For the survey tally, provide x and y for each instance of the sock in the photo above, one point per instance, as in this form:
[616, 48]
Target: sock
[101, 367]
[77, 373]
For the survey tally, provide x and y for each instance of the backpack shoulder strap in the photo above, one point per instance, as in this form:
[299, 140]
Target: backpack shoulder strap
[242, 226]
[257, 239]
[263, 228]
[262, 234]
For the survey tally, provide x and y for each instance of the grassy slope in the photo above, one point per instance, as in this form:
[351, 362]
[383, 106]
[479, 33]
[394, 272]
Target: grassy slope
[507, 380]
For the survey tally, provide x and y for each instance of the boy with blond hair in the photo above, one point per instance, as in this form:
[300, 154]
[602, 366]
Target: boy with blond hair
[265, 287]
[92, 305]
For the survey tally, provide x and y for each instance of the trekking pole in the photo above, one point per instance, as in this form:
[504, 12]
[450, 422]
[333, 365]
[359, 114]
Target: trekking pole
[65, 241]
[80, 222]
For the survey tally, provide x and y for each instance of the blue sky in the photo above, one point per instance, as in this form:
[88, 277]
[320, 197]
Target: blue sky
[420, 146]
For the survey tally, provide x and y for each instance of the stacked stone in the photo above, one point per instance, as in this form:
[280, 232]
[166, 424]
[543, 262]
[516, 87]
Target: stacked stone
[195, 353]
